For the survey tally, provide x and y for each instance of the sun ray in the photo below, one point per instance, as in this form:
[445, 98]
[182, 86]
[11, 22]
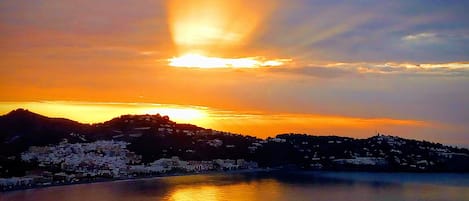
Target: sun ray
[214, 29]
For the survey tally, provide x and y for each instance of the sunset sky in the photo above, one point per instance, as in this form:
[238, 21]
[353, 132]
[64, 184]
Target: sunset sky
[258, 67]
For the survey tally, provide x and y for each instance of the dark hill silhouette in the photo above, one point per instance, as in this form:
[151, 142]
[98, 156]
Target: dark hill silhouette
[21, 128]
[155, 136]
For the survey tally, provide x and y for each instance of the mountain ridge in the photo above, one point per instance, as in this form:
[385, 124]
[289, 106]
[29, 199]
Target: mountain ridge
[22, 113]
[154, 137]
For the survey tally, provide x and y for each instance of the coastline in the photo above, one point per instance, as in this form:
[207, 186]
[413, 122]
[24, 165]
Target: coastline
[103, 180]
[328, 173]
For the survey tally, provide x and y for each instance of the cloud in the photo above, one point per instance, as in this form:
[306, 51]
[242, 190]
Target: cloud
[315, 71]
[425, 36]
[334, 70]
[419, 69]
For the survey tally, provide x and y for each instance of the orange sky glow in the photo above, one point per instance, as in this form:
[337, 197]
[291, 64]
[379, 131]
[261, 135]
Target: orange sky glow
[260, 124]
[205, 31]
[253, 67]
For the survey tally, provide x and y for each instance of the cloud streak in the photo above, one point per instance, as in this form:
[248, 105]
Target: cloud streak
[334, 70]
[420, 37]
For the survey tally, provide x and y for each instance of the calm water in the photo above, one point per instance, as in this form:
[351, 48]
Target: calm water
[325, 186]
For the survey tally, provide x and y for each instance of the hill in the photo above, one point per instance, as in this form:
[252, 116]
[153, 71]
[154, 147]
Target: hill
[153, 137]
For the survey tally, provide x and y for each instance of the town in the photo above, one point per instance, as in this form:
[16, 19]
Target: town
[78, 162]
[136, 146]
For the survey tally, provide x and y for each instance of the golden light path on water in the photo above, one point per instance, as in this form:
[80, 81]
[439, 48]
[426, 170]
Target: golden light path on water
[241, 191]
[255, 123]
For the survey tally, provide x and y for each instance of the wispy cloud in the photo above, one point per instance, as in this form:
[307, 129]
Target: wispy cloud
[333, 70]
[315, 71]
[427, 36]
[417, 69]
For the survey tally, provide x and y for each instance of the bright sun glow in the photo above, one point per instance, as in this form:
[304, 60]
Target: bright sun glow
[210, 25]
[99, 112]
[199, 61]
[259, 124]
[220, 26]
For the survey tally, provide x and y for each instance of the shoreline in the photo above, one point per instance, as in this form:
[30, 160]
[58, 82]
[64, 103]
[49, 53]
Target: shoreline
[103, 180]
[216, 172]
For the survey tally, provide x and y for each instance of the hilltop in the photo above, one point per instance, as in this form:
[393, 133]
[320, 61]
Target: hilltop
[28, 141]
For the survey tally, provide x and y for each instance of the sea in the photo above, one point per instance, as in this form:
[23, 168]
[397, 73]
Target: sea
[263, 186]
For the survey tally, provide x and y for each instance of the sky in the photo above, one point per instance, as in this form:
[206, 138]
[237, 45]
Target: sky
[263, 67]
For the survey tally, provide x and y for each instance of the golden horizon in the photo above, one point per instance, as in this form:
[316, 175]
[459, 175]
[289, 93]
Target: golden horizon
[256, 123]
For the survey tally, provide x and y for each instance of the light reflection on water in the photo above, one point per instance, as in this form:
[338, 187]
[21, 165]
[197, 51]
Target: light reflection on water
[255, 187]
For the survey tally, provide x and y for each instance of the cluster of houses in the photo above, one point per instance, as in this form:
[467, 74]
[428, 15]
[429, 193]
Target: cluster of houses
[79, 162]
[100, 158]
[377, 151]
[165, 165]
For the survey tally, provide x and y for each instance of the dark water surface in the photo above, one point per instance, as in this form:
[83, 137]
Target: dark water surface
[262, 186]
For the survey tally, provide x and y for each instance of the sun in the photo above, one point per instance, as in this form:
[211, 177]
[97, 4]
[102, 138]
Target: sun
[209, 25]
[202, 27]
